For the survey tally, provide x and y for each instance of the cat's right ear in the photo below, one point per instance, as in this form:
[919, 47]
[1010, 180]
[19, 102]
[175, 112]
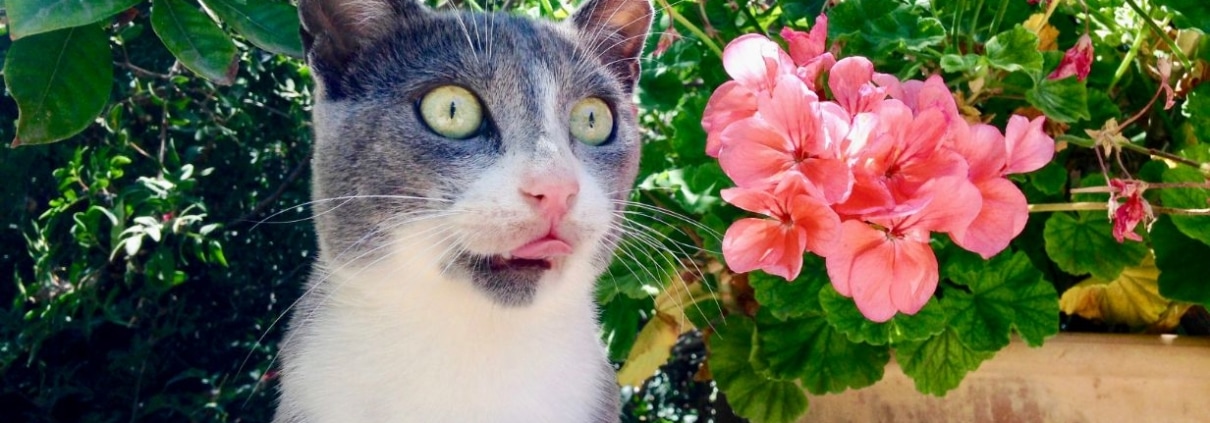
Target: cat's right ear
[334, 31]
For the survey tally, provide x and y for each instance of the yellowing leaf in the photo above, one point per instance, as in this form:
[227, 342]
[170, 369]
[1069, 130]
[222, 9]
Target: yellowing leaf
[650, 351]
[654, 343]
[1133, 299]
[1038, 24]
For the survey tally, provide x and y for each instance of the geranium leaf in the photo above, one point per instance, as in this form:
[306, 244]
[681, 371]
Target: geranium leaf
[1064, 100]
[810, 349]
[750, 394]
[1183, 263]
[938, 364]
[1005, 292]
[195, 40]
[876, 28]
[843, 315]
[270, 25]
[1015, 50]
[60, 81]
[620, 324]
[29, 17]
[1196, 227]
[1083, 244]
[795, 298]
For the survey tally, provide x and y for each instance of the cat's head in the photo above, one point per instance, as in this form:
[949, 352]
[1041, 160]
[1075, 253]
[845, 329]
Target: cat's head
[503, 145]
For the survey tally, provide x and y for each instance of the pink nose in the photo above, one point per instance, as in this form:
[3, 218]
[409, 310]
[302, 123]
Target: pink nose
[551, 196]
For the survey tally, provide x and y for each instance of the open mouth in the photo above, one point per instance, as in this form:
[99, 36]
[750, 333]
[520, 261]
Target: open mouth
[508, 262]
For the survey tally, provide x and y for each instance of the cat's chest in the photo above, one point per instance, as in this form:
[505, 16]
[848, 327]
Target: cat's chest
[400, 357]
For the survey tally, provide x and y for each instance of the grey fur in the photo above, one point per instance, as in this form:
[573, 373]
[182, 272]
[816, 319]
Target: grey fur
[371, 73]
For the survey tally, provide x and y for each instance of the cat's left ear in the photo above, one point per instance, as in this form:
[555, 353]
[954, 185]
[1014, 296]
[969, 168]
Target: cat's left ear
[615, 30]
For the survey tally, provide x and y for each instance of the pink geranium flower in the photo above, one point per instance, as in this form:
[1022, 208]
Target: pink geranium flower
[790, 133]
[800, 221]
[754, 62]
[809, 51]
[1077, 61]
[887, 265]
[851, 82]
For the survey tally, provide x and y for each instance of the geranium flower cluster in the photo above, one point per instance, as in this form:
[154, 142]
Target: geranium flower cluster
[863, 178]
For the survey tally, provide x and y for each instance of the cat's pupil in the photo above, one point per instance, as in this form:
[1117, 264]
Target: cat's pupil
[592, 120]
[453, 109]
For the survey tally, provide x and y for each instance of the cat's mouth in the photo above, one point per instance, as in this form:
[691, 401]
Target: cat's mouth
[508, 262]
[539, 254]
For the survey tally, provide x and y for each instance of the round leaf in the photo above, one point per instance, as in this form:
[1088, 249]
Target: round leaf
[1084, 244]
[938, 364]
[1005, 292]
[810, 349]
[843, 315]
[750, 394]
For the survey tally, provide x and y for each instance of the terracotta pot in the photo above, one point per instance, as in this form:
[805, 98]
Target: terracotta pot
[1072, 378]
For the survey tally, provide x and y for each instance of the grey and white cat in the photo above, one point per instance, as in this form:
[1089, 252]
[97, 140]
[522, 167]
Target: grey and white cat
[469, 171]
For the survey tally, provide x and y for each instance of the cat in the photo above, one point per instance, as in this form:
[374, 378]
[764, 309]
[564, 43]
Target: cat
[469, 173]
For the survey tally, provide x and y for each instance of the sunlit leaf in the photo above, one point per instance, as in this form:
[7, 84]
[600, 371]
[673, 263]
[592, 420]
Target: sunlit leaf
[195, 40]
[1064, 100]
[938, 364]
[650, 351]
[60, 80]
[810, 349]
[29, 17]
[1006, 292]
[749, 393]
[270, 25]
[1015, 50]
[843, 315]
[1133, 299]
[1084, 243]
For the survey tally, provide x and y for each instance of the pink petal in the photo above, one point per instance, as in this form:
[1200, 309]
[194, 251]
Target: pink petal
[729, 103]
[984, 150]
[832, 176]
[753, 200]
[1076, 61]
[754, 154]
[851, 84]
[954, 203]
[818, 221]
[915, 275]
[1001, 218]
[793, 109]
[863, 268]
[807, 46]
[769, 245]
[1028, 146]
[755, 61]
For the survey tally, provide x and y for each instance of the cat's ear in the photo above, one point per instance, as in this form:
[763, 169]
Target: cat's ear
[615, 30]
[333, 31]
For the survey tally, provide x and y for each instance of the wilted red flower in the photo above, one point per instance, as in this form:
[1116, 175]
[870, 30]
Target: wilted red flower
[1127, 208]
[1077, 61]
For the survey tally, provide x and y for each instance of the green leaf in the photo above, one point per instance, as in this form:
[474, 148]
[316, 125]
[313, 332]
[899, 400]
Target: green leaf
[843, 315]
[1183, 263]
[1084, 244]
[938, 364]
[1015, 50]
[1050, 179]
[875, 28]
[1192, 13]
[270, 25]
[750, 394]
[808, 348]
[620, 325]
[29, 17]
[1196, 227]
[60, 80]
[1064, 100]
[791, 299]
[1005, 292]
[960, 64]
[195, 40]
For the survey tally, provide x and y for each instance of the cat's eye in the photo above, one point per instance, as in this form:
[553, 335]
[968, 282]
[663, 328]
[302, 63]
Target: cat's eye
[452, 112]
[591, 121]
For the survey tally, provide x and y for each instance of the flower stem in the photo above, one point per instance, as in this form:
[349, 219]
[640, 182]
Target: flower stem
[1088, 143]
[1139, 37]
[1176, 50]
[1096, 206]
[701, 35]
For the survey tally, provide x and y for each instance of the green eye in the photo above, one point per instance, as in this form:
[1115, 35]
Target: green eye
[591, 121]
[452, 111]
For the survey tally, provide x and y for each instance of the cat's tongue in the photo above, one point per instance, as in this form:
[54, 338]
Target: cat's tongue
[542, 248]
